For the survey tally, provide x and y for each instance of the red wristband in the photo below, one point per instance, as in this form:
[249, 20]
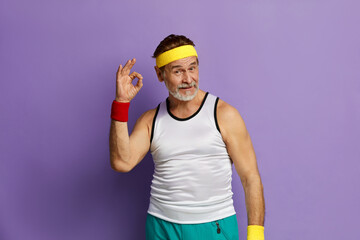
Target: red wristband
[119, 111]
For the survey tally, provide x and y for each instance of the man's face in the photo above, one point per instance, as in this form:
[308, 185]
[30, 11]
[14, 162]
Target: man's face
[181, 78]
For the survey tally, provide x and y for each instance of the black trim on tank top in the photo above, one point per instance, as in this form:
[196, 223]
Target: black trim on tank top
[184, 119]
[216, 122]
[153, 123]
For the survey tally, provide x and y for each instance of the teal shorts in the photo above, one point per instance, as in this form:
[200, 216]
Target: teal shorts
[159, 229]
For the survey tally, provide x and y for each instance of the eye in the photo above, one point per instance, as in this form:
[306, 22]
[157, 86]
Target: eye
[192, 68]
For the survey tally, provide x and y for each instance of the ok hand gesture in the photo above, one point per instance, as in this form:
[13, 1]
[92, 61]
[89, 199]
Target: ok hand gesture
[125, 90]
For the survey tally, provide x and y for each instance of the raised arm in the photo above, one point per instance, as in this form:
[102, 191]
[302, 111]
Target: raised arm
[127, 151]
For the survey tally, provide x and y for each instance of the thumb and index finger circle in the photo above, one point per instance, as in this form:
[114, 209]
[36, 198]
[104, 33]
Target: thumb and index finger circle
[134, 75]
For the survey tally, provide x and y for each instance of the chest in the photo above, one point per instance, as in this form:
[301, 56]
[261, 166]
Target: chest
[197, 137]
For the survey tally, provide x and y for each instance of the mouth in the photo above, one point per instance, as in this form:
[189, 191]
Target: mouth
[186, 88]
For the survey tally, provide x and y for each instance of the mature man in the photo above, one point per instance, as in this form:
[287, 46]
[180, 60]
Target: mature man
[194, 137]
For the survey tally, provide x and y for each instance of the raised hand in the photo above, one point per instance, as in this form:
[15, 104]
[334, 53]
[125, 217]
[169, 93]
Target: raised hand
[125, 90]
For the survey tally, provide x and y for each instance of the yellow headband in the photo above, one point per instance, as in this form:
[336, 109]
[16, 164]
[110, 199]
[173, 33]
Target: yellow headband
[175, 54]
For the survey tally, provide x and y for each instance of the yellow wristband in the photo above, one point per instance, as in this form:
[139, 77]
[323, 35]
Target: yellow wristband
[255, 232]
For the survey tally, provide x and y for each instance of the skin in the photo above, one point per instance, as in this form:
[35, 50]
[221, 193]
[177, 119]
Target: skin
[183, 71]
[127, 151]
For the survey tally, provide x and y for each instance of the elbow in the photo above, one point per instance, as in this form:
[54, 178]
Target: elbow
[253, 180]
[121, 170]
[120, 166]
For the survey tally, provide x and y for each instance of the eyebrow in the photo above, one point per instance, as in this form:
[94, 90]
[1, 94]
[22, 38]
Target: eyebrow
[177, 66]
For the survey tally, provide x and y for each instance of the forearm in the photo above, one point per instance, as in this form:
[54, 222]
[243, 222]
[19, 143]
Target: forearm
[255, 203]
[119, 143]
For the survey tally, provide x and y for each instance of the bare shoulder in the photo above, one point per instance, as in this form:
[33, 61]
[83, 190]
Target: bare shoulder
[226, 109]
[147, 117]
[145, 120]
[229, 120]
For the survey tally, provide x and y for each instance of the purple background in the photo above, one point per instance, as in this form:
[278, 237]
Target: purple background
[291, 68]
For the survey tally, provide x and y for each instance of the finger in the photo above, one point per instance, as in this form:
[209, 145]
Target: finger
[119, 70]
[134, 75]
[126, 67]
[129, 64]
[139, 84]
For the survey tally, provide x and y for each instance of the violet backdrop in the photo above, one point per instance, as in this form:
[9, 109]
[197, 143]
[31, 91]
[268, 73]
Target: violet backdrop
[291, 68]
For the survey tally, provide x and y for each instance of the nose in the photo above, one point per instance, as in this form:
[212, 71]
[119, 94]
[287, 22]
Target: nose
[187, 77]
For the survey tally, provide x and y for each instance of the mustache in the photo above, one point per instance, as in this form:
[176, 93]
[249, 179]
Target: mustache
[184, 85]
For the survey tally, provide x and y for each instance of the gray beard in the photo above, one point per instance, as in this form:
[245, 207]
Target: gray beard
[176, 94]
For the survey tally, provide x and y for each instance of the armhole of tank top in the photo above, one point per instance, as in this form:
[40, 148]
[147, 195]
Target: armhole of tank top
[153, 123]
[216, 122]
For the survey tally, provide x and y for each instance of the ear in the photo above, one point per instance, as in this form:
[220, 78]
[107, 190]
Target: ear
[158, 74]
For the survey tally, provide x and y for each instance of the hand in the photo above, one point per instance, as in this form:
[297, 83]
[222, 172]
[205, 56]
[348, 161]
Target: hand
[125, 90]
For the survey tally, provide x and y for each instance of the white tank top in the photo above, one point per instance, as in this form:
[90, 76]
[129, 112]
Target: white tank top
[192, 177]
